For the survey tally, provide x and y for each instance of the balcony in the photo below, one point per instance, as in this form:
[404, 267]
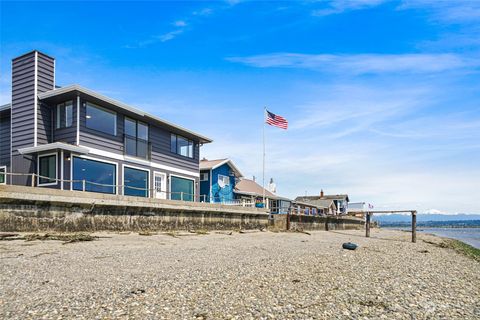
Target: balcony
[135, 147]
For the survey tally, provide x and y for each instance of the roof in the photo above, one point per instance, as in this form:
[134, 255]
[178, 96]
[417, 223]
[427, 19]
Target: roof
[54, 146]
[213, 164]
[5, 107]
[320, 203]
[250, 187]
[75, 88]
[327, 197]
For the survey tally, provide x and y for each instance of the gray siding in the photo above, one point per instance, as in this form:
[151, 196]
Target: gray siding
[23, 109]
[68, 135]
[159, 138]
[100, 140]
[45, 76]
[23, 95]
[5, 138]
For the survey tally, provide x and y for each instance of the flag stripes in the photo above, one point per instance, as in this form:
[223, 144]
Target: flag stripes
[276, 120]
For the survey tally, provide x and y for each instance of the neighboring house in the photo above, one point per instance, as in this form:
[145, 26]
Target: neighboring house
[340, 201]
[217, 180]
[319, 206]
[248, 191]
[103, 145]
[304, 208]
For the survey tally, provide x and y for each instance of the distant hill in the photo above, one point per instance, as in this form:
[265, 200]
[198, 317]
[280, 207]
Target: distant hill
[432, 220]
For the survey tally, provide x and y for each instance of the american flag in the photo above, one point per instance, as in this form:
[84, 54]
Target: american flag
[276, 120]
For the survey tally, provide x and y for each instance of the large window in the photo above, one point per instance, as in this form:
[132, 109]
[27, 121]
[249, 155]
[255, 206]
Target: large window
[181, 189]
[181, 145]
[223, 180]
[64, 115]
[135, 182]
[3, 178]
[47, 169]
[136, 139]
[101, 119]
[99, 176]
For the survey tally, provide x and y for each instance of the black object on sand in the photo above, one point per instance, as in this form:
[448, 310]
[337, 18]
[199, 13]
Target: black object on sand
[349, 246]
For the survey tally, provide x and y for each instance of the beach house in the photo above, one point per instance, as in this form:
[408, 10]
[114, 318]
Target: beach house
[249, 191]
[339, 207]
[74, 138]
[218, 179]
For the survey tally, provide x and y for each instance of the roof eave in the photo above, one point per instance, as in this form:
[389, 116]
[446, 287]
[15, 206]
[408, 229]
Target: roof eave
[75, 87]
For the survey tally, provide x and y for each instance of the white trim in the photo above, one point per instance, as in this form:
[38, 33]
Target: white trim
[35, 101]
[137, 168]
[78, 88]
[62, 156]
[78, 120]
[98, 160]
[211, 193]
[164, 184]
[207, 173]
[179, 176]
[52, 146]
[223, 176]
[4, 176]
[56, 169]
[230, 163]
[147, 163]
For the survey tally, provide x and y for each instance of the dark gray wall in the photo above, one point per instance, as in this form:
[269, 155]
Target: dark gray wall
[46, 77]
[5, 138]
[159, 138]
[68, 135]
[23, 108]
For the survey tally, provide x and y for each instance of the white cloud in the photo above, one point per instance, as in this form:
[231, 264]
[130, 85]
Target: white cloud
[180, 23]
[169, 35]
[361, 63]
[340, 6]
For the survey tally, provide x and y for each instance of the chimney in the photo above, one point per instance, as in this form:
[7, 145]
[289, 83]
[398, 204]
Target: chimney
[253, 178]
[32, 73]
[321, 193]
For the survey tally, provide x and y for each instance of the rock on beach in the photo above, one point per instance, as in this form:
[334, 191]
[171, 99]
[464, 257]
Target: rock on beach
[262, 275]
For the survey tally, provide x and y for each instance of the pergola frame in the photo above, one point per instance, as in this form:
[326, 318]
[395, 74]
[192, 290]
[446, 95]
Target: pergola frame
[414, 221]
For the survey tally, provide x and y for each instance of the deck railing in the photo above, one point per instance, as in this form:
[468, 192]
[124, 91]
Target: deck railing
[118, 189]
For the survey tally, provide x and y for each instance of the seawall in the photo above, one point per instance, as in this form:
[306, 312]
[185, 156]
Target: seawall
[40, 209]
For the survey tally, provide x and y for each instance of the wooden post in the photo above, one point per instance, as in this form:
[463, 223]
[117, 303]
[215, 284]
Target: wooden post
[367, 226]
[414, 226]
[288, 219]
[33, 179]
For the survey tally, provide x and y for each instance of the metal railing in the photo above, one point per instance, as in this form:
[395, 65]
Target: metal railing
[117, 189]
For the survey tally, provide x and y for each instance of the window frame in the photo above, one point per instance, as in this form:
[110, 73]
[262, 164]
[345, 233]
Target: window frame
[223, 176]
[202, 174]
[97, 160]
[58, 124]
[190, 142]
[182, 177]
[56, 169]
[135, 137]
[140, 169]
[96, 106]
[4, 168]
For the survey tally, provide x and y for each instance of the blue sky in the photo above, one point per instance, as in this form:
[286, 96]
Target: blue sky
[382, 97]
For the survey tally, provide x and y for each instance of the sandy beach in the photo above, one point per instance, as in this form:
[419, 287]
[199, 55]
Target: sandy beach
[261, 275]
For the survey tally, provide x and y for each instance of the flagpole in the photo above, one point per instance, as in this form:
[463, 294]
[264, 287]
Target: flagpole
[264, 120]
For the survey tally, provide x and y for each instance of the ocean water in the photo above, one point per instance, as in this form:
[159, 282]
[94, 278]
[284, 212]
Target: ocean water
[467, 235]
[470, 236]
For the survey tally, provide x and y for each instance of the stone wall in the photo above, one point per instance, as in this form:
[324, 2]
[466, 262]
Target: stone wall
[36, 209]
